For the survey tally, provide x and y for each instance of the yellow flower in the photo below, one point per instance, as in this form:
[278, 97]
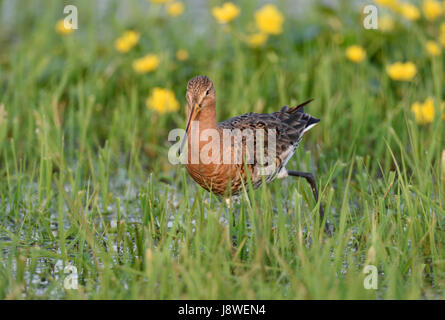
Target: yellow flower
[424, 112]
[386, 23]
[182, 55]
[257, 39]
[157, 1]
[226, 13]
[127, 41]
[60, 28]
[146, 64]
[402, 71]
[162, 101]
[442, 34]
[433, 48]
[432, 9]
[175, 8]
[355, 53]
[269, 19]
[409, 11]
[392, 4]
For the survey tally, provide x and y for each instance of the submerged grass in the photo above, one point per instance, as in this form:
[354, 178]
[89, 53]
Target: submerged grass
[85, 179]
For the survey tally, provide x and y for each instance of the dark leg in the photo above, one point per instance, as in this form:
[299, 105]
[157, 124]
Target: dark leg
[310, 178]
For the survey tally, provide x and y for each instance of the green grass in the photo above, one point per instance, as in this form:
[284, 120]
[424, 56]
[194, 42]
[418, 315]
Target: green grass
[85, 180]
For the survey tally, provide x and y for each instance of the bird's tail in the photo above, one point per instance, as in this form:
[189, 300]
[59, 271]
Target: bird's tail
[300, 107]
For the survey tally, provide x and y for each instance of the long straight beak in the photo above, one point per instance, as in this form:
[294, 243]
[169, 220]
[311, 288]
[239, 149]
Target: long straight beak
[187, 127]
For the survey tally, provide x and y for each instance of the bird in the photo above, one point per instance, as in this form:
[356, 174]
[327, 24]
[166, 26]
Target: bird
[206, 159]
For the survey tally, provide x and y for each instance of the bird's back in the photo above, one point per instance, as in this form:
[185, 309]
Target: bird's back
[288, 125]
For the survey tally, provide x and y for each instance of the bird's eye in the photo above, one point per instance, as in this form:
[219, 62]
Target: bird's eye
[207, 92]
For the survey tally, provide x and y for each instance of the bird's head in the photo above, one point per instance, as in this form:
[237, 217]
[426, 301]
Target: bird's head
[200, 95]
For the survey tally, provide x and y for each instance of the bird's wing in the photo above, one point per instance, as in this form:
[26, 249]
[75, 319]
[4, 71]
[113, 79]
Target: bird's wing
[289, 123]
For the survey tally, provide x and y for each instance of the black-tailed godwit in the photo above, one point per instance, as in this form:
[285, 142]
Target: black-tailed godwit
[225, 178]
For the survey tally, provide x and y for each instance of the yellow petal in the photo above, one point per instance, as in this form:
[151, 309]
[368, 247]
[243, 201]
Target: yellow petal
[355, 53]
[269, 19]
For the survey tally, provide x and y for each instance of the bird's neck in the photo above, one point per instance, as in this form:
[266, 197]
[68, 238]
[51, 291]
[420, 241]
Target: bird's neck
[206, 119]
[203, 131]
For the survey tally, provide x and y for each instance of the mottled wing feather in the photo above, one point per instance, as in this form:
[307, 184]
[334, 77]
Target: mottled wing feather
[289, 124]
